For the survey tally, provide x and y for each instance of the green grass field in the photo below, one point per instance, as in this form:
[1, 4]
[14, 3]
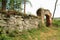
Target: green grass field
[43, 33]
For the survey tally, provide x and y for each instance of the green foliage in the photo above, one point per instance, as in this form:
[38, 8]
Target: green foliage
[17, 4]
[5, 37]
[56, 22]
[0, 0]
[13, 33]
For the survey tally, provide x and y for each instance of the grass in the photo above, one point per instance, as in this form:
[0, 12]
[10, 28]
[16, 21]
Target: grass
[42, 33]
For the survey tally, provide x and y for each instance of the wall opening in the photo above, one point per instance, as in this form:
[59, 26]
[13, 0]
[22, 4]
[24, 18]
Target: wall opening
[47, 20]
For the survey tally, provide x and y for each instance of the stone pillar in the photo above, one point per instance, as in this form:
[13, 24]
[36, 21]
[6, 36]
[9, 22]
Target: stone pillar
[42, 17]
[50, 19]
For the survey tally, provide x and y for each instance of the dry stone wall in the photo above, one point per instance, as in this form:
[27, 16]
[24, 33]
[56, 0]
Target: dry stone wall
[19, 22]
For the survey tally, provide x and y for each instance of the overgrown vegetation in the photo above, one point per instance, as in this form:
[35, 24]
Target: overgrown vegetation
[42, 33]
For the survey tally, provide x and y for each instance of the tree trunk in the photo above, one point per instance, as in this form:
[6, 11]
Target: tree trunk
[4, 4]
[55, 8]
[24, 6]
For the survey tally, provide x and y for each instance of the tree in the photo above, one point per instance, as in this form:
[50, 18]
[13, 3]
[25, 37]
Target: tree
[0, 3]
[4, 4]
[55, 8]
[12, 4]
[24, 6]
[16, 4]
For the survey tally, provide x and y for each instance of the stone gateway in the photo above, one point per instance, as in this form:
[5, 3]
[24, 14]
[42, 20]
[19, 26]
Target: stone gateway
[45, 12]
